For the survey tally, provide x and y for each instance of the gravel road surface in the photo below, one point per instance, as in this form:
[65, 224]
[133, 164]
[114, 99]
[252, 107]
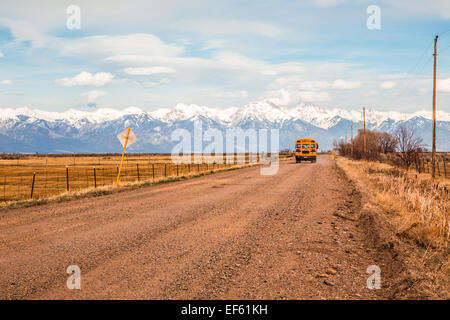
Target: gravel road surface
[230, 235]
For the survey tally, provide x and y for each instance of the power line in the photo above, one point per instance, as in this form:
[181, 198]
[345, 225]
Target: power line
[420, 62]
[421, 57]
[444, 49]
[444, 33]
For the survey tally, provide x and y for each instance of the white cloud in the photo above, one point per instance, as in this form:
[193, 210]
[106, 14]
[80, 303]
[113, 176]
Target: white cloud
[215, 44]
[86, 79]
[328, 3]
[342, 84]
[314, 96]
[222, 27]
[6, 82]
[298, 82]
[253, 70]
[231, 94]
[268, 72]
[153, 84]
[148, 71]
[314, 85]
[279, 97]
[105, 46]
[434, 8]
[387, 85]
[285, 97]
[185, 41]
[25, 31]
[443, 85]
[94, 95]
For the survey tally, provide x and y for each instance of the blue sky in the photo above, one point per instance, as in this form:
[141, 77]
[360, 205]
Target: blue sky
[153, 54]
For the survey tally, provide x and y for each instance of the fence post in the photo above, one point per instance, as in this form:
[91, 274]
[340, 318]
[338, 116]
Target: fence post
[4, 188]
[95, 178]
[67, 178]
[445, 168]
[137, 168]
[45, 185]
[32, 185]
[153, 171]
[165, 169]
[177, 169]
[439, 170]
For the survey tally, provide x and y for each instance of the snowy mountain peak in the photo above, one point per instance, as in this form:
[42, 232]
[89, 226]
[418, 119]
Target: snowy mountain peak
[185, 112]
[254, 111]
[30, 130]
[261, 111]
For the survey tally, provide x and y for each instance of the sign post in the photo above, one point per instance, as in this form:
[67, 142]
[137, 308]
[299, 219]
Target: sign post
[126, 138]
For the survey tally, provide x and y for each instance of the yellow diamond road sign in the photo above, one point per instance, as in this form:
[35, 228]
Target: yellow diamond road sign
[123, 135]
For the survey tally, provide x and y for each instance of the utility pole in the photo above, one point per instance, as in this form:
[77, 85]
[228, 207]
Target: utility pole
[364, 117]
[433, 156]
[351, 140]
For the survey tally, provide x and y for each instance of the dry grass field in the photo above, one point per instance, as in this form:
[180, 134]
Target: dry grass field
[413, 211]
[57, 174]
[420, 205]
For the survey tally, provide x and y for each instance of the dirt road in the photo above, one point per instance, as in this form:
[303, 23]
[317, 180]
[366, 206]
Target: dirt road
[234, 234]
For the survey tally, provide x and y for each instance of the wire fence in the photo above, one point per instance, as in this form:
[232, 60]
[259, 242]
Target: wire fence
[424, 165]
[30, 180]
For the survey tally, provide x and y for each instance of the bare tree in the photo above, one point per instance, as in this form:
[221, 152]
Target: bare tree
[341, 147]
[386, 142]
[409, 145]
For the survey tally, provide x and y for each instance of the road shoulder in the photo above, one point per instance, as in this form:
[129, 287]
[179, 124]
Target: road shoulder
[409, 271]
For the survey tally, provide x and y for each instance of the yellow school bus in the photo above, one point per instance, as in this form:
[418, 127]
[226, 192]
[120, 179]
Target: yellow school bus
[306, 149]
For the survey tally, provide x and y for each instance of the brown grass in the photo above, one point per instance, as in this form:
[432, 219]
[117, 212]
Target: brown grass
[419, 206]
[415, 210]
[16, 175]
[108, 189]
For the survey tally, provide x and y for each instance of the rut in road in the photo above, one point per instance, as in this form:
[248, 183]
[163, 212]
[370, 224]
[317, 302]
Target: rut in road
[234, 234]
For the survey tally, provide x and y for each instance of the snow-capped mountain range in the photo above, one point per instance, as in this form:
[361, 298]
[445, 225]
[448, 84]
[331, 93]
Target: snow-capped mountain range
[31, 130]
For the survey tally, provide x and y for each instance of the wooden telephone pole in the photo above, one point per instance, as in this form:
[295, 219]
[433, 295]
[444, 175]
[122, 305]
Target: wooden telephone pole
[433, 157]
[364, 117]
[351, 139]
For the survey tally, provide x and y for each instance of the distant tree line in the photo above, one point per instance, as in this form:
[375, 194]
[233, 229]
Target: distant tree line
[402, 147]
